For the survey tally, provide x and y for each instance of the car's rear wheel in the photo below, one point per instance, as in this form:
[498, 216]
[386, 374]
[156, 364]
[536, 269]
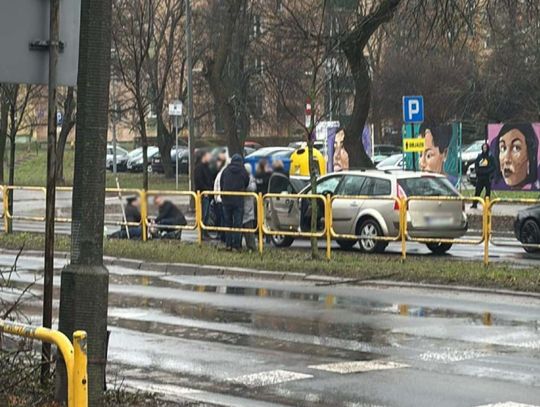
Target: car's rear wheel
[530, 234]
[371, 228]
[346, 244]
[439, 248]
[282, 241]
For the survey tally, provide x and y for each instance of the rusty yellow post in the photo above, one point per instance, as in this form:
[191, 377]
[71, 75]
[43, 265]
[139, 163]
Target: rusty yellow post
[328, 222]
[487, 207]
[144, 214]
[260, 221]
[403, 227]
[198, 216]
[80, 379]
[5, 201]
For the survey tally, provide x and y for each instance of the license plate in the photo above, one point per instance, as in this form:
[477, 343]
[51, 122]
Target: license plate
[438, 221]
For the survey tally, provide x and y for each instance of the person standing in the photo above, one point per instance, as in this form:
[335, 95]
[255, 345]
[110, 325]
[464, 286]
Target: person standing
[249, 211]
[262, 176]
[204, 181]
[234, 179]
[218, 202]
[484, 166]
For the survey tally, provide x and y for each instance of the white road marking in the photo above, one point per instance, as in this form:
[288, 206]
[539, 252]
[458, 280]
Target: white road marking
[450, 356]
[269, 378]
[358, 366]
[508, 404]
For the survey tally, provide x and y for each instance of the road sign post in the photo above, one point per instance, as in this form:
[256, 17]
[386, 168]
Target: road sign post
[413, 113]
[175, 111]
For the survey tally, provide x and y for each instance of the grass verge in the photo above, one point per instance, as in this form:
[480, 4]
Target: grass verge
[353, 265]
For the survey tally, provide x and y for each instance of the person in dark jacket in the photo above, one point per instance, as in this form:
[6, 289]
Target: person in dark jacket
[203, 179]
[132, 215]
[262, 176]
[484, 166]
[234, 179]
[168, 215]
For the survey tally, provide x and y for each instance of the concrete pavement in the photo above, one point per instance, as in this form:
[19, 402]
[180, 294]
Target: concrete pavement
[248, 342]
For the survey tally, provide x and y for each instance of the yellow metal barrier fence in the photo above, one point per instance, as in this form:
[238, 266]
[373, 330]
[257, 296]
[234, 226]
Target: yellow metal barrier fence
[386, 199]
[244, 195]
[75, 356]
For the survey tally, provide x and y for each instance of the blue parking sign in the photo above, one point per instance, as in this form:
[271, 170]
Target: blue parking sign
[413, 109]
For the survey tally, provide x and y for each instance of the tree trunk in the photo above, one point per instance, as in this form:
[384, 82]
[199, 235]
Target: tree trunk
[362, 96]
[144, 142]
[67, 126]
[4, 110]
[85, 281]
[165, 144]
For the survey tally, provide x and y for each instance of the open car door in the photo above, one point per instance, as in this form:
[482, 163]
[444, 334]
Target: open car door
[283, 212]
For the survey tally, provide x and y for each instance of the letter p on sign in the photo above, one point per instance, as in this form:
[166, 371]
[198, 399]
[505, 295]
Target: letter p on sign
[413, 109]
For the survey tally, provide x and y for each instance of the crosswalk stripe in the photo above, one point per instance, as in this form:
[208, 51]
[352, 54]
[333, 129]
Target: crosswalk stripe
[358, 366]
[508, 404]
[269, 378]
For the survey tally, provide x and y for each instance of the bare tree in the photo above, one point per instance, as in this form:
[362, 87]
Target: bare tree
[69, 106]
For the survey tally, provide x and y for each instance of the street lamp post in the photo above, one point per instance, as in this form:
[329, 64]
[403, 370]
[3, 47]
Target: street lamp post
[175, 111]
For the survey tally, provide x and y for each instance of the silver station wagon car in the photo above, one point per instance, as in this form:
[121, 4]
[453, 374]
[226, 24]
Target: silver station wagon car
[434, 218]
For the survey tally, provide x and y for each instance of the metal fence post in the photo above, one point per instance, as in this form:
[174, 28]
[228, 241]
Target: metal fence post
[260, 221]
[487, 228]
[5, 201]
[403, 227]
[80, 379]
[198, 217]
[144, 214]
[328, 221]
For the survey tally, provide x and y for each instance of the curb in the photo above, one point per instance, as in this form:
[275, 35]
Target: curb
[188, 269]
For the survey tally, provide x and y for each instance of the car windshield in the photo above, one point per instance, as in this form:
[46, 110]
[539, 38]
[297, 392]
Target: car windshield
[427, 186]
[477, 146]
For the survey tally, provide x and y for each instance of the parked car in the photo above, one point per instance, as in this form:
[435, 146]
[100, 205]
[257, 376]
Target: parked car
[252, 144]
[121, 153]
[377, 217]
[382, 151]
[394, 162]
[470, 152]
[471, 174]
[271, 154]
[135, 164]
[527, 228]
[157, 164]
[217, 150]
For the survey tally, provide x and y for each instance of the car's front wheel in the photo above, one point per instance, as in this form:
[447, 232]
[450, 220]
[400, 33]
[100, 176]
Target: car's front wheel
[439, 248]
[282, 241]
[370, 228]
[530, 234]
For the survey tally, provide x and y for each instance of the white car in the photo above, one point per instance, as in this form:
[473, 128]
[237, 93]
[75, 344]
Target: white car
[121, 153]
[469, 153]
[394, 162]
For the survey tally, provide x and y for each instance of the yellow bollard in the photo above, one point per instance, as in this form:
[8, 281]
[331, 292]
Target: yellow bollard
[403, 228]
[144, 215]
[328, 221]
[487, 228]
[80, 379]
[198, 216]
[260, 222]
[5, 200]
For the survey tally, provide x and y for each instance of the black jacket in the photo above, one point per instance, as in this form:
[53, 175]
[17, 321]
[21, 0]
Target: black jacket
[203, 178]
[171, 213]
[132, 214]
[262, 179]
[234, 179]
[484, 165]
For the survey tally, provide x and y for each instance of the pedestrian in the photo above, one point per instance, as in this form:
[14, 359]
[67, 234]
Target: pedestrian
[262, 176]
[249, 211]
[234, 179]
[168, 215]
[484, 166]
[204, 181]
[218, 202]
[132, 215]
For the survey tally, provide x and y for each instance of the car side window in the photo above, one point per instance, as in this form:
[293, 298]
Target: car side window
[328, 185]
[381, 187]
[352, 185]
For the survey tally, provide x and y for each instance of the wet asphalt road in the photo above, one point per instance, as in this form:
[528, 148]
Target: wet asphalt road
[244, 342]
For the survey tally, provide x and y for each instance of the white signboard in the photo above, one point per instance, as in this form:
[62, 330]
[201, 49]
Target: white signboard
[26, 22]
[176, 108]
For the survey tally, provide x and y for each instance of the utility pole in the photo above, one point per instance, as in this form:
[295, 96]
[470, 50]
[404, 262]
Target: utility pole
[54, 46]
[189, 57]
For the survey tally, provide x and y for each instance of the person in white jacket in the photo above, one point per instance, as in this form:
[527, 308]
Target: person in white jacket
[218, 202]
[249, 211]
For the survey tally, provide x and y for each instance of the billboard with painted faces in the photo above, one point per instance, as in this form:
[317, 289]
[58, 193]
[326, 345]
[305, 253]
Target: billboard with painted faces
[441, 154]
[515, 150]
